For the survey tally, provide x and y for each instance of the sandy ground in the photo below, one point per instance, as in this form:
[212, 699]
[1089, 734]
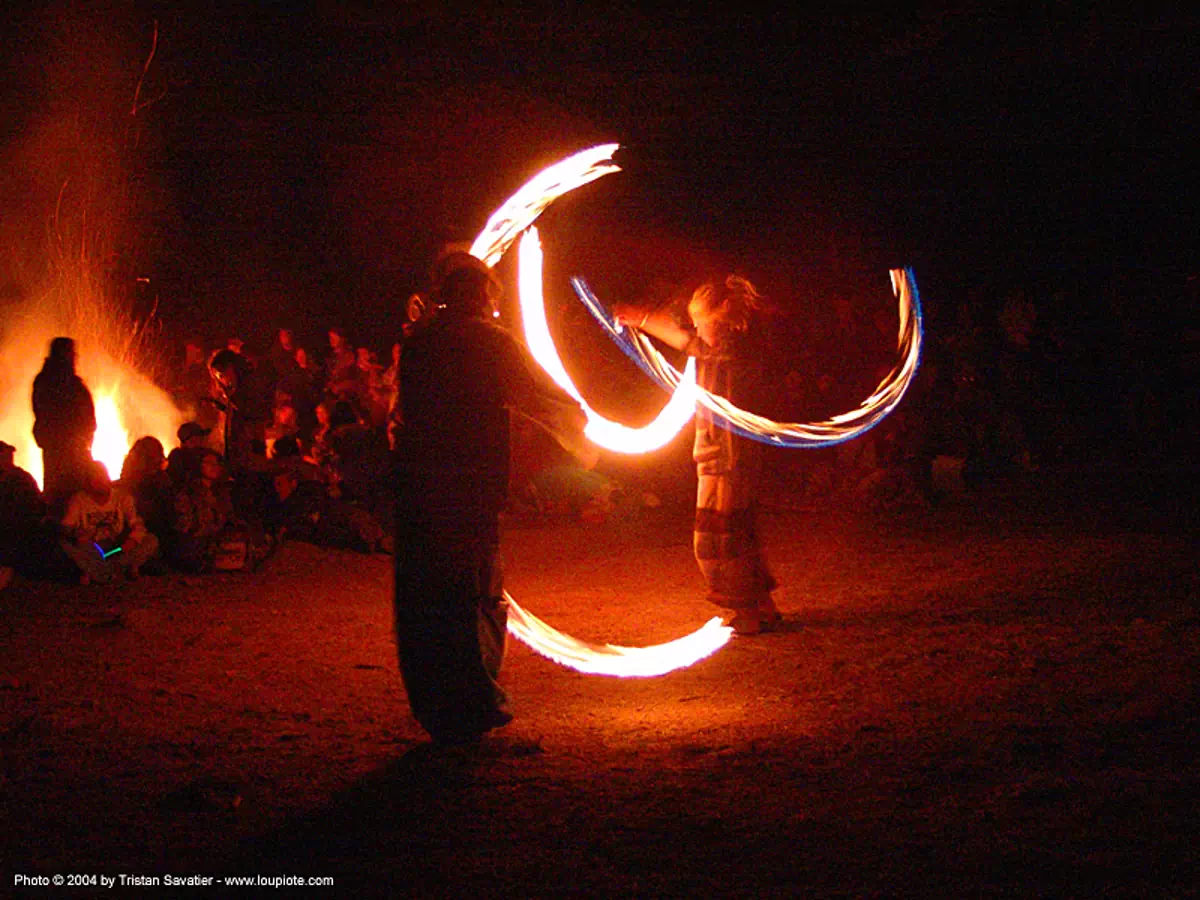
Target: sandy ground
[994, 696]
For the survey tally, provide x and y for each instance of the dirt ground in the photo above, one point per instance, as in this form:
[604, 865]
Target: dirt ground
[993, 696]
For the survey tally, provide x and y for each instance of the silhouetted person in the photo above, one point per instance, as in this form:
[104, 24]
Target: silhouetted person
[243, 401]
[341, 366]
[460, 377]
[21, 513]
[282, 357]
[64, 424]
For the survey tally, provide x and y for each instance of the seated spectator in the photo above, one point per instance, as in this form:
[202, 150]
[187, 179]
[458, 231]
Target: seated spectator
[185, 459]
[357, 469]
[102, 532]
[201, 512]
[301, 510]
[21, 512]
[287, 447]
[288, 451]
[143, 474]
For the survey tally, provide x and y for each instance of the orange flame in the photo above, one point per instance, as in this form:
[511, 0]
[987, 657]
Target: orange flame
[612, 659]
[601, 431]
[128, 404]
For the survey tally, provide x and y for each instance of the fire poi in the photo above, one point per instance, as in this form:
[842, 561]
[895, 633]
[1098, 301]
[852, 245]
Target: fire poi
[515, 218]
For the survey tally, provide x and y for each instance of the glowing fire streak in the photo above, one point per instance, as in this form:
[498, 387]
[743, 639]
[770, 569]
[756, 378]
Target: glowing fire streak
[835, 430]
[517, 215]
[522, 208]
[610, 659]
[601, 431]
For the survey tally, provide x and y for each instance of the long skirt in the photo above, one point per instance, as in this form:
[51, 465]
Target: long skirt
[451, 620]
[726, 542]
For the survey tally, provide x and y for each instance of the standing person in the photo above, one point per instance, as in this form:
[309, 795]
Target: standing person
[460, 377]
[728, 466]
[282, 358]
[301, 384]
[64, 424]
[341, 366]
[391, 393]
[242, 399]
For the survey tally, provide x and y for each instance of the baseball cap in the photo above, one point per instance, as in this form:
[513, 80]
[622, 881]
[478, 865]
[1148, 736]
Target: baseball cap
[189, 430]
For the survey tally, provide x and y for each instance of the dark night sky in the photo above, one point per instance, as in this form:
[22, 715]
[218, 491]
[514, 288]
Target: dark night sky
[307, 165]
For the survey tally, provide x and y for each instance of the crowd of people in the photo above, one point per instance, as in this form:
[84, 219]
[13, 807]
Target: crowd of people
[274, 450]
[278, 447]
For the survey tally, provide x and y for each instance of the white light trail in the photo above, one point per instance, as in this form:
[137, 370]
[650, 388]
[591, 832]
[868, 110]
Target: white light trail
[834, 430]
[610, 659]
[516, 217]
[601, 431]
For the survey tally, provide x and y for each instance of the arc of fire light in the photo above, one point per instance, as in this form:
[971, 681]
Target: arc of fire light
[604, 432]
[835, 430]
[515, 217]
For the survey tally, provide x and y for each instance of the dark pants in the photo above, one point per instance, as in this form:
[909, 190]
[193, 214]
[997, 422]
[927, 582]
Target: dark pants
[64, 471]
[451, 621]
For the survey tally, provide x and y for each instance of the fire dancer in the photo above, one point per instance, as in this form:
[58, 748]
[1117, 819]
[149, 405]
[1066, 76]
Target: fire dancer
[460, 376]
[725, 539]
[64, 424]
[102, 531]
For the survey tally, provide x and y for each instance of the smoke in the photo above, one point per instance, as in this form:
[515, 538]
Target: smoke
[73, 203]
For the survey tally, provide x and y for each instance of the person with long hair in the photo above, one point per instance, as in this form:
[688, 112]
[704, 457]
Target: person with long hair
[144, 475]
[722, 317]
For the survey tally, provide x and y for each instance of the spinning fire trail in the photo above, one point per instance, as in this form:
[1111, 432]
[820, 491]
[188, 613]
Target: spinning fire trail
[515, 219]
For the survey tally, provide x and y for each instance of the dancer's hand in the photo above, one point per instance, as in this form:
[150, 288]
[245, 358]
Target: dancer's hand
[629, 315]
